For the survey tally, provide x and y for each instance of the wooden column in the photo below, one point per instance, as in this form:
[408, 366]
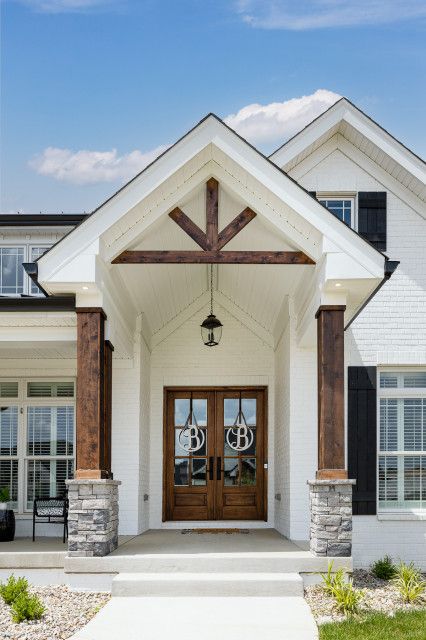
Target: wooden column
[90, 413]
[331, 429]
[107, 405]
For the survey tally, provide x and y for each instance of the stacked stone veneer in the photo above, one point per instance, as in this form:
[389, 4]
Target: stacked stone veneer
[92, 517]
[331, 517]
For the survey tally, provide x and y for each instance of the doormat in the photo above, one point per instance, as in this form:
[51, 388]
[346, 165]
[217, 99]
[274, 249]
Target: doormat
[228, 531]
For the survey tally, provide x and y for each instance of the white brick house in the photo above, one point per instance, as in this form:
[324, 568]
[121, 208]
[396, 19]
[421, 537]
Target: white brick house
[280, 355]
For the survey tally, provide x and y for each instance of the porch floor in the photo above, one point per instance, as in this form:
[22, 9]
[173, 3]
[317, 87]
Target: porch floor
[177, 542]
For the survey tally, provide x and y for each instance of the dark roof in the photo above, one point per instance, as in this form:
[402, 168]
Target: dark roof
[37, 303]
[41, 219]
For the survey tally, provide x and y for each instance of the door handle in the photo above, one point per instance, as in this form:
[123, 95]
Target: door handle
[211, 467]
[218, 468]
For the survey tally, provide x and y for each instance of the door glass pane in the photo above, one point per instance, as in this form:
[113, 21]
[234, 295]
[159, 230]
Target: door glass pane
[248, 406]
[190, 440]
[199, 407]
[230, 407]
[181, 472]
[240, 439]
[248, 472]
[199, 472]
[181, 411]
[231, 472]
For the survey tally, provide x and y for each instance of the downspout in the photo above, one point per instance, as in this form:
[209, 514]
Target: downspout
[390, 268]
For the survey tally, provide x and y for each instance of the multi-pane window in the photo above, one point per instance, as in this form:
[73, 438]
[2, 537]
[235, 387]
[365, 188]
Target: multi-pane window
[341, 208]
[37, 429]
[402, 440]
[13, 279]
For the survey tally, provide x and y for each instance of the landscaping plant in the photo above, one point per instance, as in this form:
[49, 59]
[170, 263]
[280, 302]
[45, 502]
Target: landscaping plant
[27, 607]
[4, 494]
[331, 580]
[347, 598]
[384, 569]
[409, 582]
[11, 589]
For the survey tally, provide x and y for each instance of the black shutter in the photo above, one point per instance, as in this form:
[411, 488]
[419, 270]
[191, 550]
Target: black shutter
[372, 217]
[362, 437]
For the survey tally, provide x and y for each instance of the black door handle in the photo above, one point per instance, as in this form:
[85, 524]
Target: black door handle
[211, 467]
[218, 468]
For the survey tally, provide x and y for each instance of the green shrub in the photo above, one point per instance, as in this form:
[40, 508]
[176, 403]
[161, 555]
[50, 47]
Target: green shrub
[332, 580]
[409, 582]
[10, 590]
[347, 598]
[384, 568]
[27, 607]
[4, 494]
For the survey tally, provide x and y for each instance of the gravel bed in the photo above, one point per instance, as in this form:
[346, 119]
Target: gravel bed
[380, 595]
[66, 612]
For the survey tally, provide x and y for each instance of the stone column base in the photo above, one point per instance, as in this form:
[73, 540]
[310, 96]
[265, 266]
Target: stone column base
[331, 517]
[92, 517]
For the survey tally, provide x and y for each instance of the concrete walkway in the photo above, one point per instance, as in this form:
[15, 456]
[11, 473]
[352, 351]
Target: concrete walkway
[142, 618]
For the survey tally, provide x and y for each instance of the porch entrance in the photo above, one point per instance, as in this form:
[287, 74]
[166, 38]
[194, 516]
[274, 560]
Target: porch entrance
[215, 454]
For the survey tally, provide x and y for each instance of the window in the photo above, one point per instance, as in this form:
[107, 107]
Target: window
[37, 430]
[13, 280]
[402, 440]
[341, 208]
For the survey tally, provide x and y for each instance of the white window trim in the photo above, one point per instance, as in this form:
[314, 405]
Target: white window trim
[342, 195]
[27, 247]
[23, 402]
[418, 392]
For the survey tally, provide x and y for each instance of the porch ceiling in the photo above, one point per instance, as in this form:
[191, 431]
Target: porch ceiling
[163, 291]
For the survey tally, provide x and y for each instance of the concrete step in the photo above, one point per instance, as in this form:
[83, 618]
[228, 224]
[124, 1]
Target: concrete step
[255, 562]
[207, 584]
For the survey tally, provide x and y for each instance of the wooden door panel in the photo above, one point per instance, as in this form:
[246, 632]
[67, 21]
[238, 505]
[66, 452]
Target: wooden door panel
[224, 479]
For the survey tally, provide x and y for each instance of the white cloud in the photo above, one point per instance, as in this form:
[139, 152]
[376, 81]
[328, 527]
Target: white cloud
[320, 14]
[91, 167]
[260, 124]
[278, 121]
[69, 6]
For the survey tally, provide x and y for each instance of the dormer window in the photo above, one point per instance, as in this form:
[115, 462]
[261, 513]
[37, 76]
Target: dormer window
[342, 208]
[13, 280]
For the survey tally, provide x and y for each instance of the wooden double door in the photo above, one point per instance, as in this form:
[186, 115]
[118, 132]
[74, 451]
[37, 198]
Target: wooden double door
[215, 454]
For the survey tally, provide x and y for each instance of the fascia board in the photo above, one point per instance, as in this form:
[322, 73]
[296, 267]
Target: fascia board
[386, 143]
[308, 136]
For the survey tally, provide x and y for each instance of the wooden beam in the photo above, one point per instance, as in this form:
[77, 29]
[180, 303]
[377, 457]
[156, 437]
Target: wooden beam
[213, 257]
[331, 408]
[190, 228]
[234, 227]
[90, 401]
[212, 212]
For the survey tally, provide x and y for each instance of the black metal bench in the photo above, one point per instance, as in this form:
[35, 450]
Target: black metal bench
[52, 510]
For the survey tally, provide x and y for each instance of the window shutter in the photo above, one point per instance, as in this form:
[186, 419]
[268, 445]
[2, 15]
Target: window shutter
[362, 437]
[372, 217]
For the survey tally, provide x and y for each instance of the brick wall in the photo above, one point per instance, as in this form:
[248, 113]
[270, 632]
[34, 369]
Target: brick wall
[390, 330]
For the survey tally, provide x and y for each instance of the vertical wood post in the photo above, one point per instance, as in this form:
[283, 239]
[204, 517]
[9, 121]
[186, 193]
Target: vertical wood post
[331, 430]
[90, 413]
[107, 405]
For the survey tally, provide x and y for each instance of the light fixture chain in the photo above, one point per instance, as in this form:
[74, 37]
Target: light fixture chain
[211, 289]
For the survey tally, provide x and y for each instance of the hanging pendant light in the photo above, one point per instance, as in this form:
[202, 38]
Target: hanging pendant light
[211, 329]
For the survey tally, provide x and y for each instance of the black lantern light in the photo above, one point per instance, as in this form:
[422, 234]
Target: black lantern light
[211, 329]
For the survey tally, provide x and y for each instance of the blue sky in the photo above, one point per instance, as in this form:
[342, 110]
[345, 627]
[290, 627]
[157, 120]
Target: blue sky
[94, 89]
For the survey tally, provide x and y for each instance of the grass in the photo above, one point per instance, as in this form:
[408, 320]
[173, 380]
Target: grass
[404, 625]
